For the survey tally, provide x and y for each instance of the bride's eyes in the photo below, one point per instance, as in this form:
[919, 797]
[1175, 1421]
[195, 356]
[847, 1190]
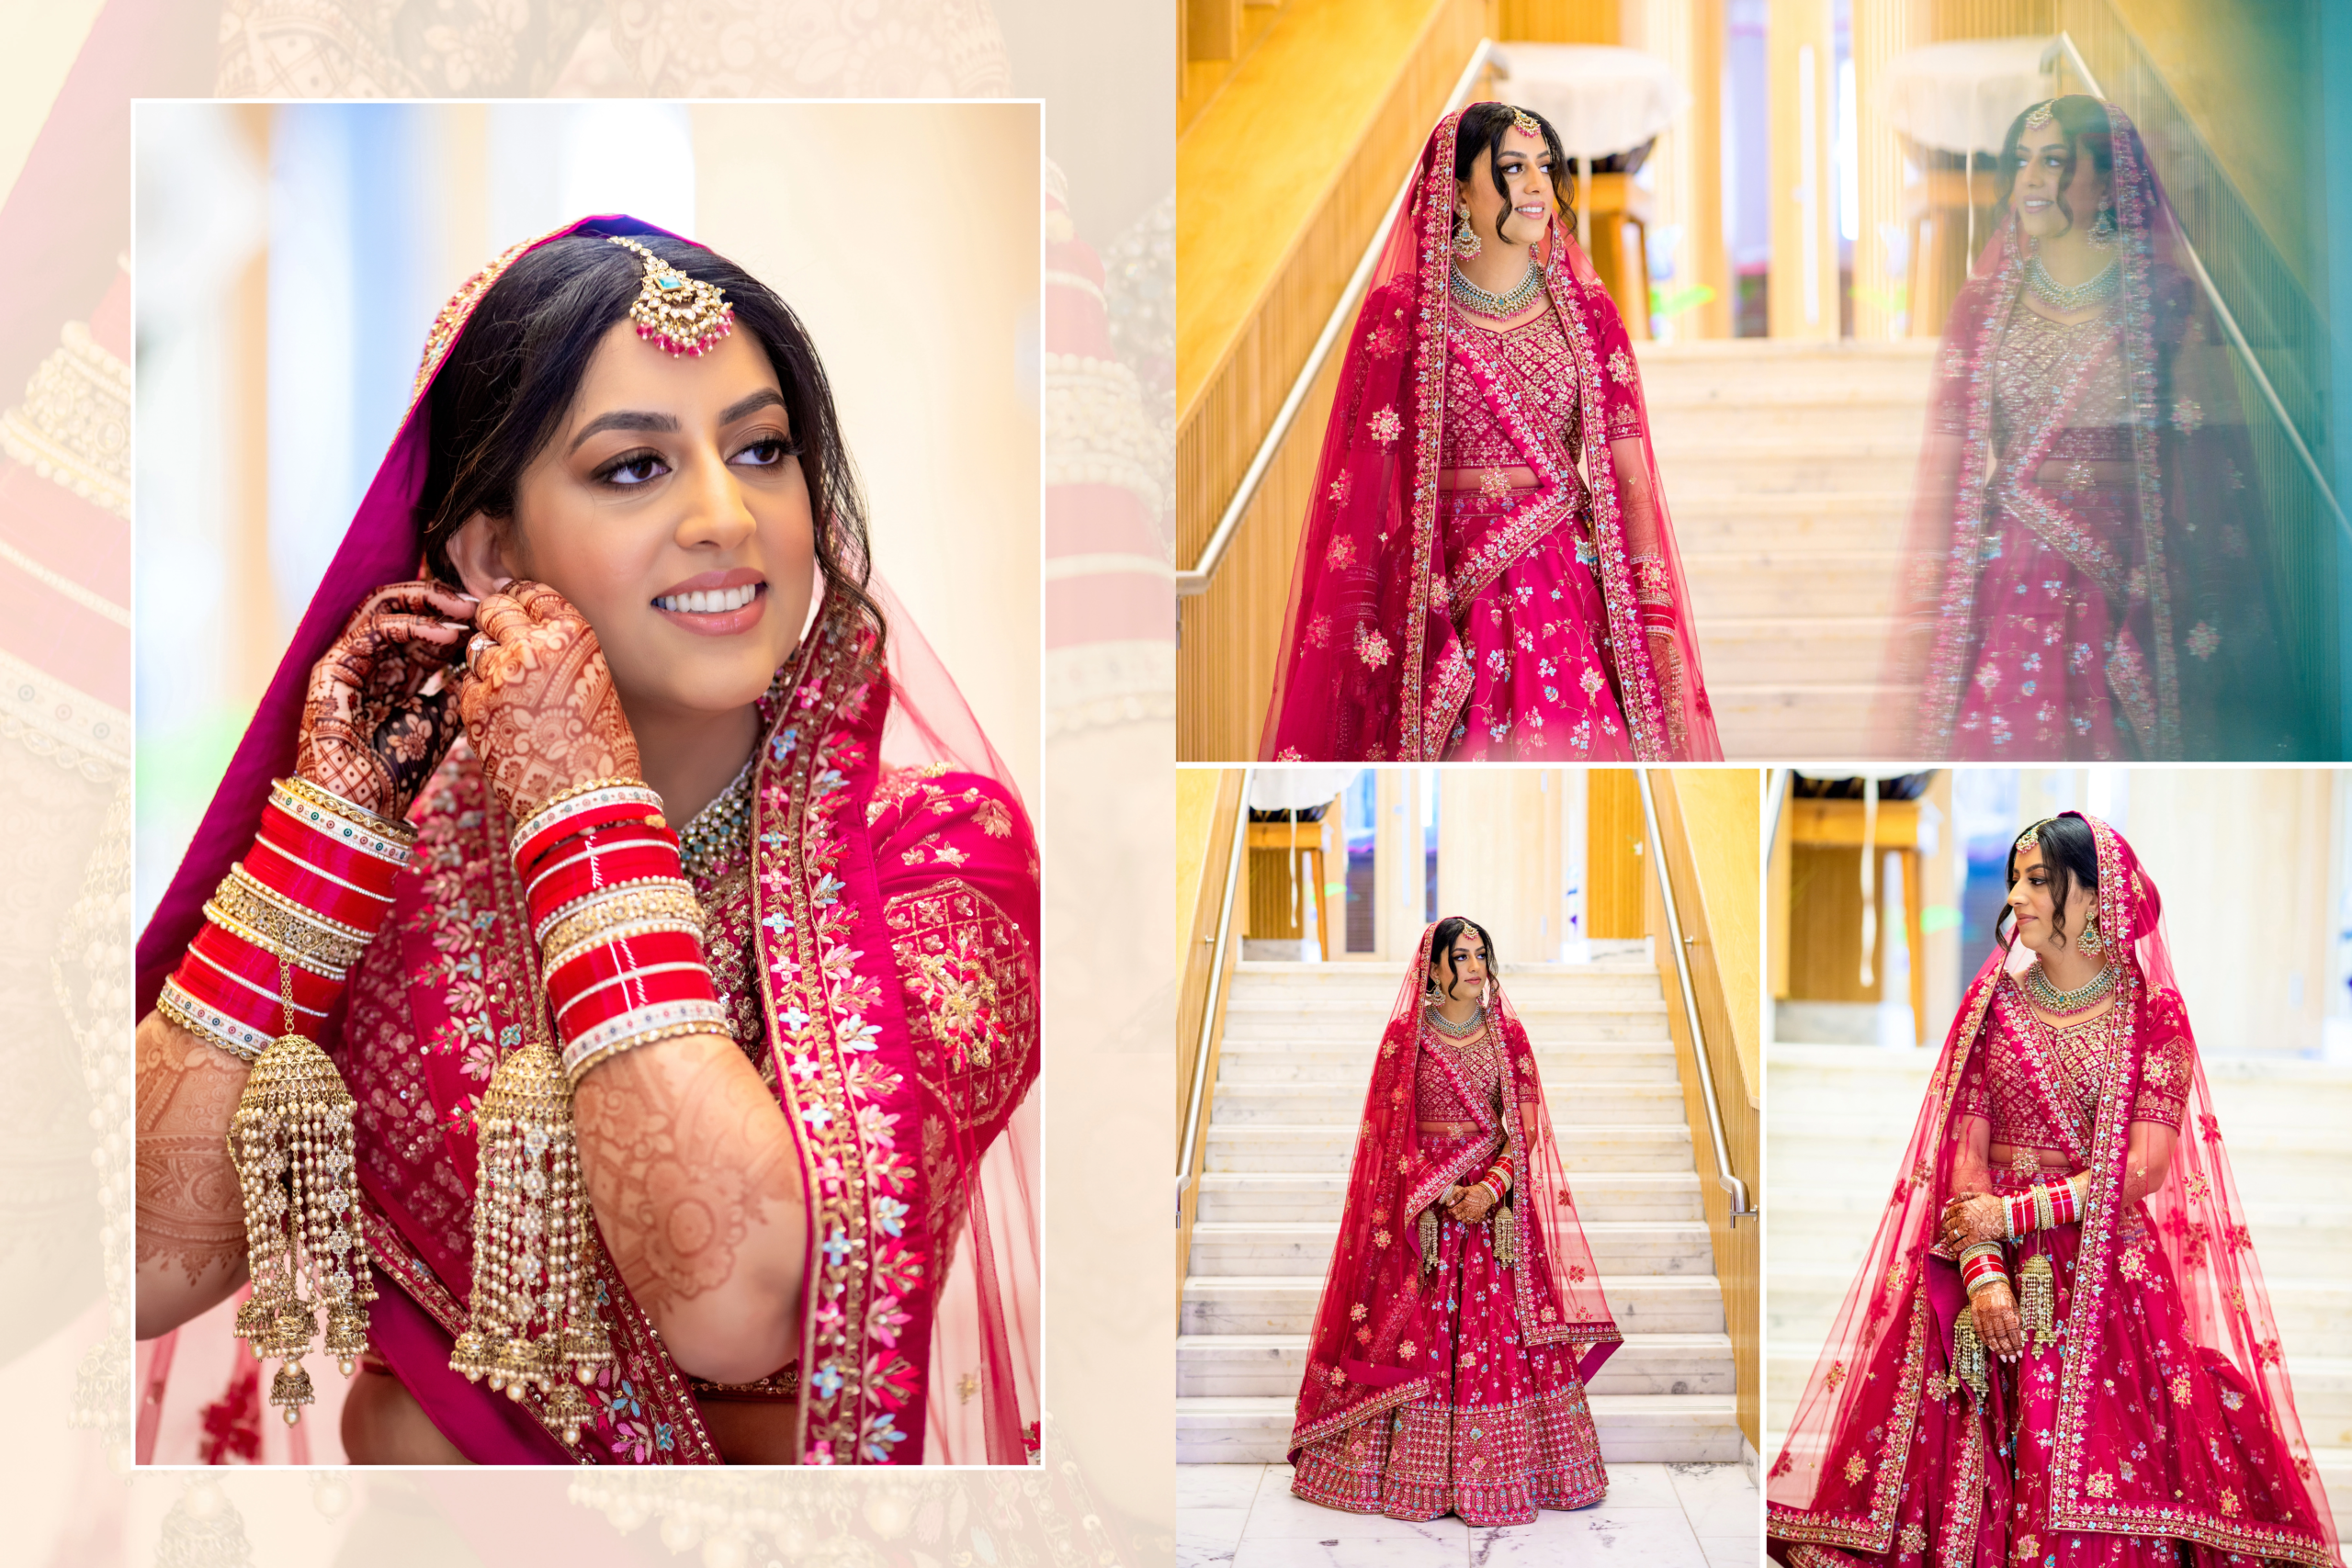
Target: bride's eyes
[769, 452]
[632, 468]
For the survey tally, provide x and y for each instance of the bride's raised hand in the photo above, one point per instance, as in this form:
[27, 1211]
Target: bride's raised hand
[1971, 1217]
[376, 717]
[538, 700]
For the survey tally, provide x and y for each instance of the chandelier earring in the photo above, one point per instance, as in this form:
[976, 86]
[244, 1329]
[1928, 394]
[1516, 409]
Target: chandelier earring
[1431, 994]
[1465, 238]
[2089, 943]
[2104, 231]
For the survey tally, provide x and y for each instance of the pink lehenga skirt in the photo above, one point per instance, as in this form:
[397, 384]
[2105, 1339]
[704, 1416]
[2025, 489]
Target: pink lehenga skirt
[2046, 672]
[1504, 1430]
[2011, 1519]
[1543, 685]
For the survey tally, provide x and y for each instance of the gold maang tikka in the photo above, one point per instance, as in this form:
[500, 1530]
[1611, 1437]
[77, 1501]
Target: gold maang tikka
[682, 314]
[1526, 122]
[291, 1141]
[2041, 114]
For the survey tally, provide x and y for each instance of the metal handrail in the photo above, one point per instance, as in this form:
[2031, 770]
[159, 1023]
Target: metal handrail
[1731, 1184]
[2229, 323]
[1197, 580]
[1216, 978]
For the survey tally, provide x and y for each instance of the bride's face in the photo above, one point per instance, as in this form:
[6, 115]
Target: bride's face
[1527, 170]
[671, 509]
[2033, 901]
[1460, 969]
[2042, 179]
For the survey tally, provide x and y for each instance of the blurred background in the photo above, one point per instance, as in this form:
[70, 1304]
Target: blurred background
[1881, 891]
[1302, 896]
[290, 258]
[1783, 196]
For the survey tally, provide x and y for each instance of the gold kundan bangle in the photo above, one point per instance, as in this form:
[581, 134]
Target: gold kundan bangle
[398, 836]
[667, 899]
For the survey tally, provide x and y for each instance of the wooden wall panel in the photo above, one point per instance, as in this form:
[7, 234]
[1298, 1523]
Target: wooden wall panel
[1614, 866]
[1560, 21]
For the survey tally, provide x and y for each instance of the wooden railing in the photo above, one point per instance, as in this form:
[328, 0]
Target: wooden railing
[1718, 923]
[1209, 964]
[1345, 90]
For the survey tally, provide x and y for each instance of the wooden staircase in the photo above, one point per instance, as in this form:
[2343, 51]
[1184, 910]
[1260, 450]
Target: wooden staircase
[1789, 469]
[1296, 1057]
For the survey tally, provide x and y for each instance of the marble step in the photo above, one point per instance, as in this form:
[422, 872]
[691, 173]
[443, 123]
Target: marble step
[1642, 1304]
[1850, 520]
[1314, 1197]
[1263, 1248]
[1573, 1103]
[1341, 1026]
[1635, 1429]
[1264, 1366]
[1613, 966]
[1275, 1146]
[1794, 651]
[1611, 1061]
[1769, 466]
[1765, 723]
[1808, 585]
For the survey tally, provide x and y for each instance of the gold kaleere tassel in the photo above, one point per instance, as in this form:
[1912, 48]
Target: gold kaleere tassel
[530, 1317]
[291, 1143]
[1968, 1353]
[1428, 1239]
[2038, 1301]
[1505, 1236]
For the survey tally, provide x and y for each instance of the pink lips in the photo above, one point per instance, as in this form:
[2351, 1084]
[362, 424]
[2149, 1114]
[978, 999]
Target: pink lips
[723, 623]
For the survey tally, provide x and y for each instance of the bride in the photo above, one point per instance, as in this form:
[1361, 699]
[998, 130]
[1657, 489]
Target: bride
[1487, 570]
[713, 832]
[2058, 1351]
[1463, 1317]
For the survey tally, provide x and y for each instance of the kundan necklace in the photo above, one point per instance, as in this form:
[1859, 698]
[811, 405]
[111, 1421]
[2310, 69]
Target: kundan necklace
[1507, 303]
[1462, 1031]
[2068, 296]
[2051, 1000]
[720, 828]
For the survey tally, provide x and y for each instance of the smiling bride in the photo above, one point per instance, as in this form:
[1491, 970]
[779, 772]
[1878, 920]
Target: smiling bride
[608, 970]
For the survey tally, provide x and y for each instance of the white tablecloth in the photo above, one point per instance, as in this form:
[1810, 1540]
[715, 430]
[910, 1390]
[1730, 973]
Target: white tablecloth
[1600, 99]
[1960, 97]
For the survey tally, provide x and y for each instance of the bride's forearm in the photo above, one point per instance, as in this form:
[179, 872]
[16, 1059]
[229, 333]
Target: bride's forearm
[696, 1189]
[190, 1213]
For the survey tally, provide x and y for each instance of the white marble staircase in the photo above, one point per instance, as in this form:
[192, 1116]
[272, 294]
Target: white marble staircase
[1297, 1055]
[1787, 469]
[1840, 1116]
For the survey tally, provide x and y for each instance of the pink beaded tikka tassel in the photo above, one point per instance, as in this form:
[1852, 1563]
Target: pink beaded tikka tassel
[683, 315]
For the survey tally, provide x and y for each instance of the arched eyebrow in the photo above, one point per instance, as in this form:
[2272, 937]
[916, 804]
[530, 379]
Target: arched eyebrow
[667, 424]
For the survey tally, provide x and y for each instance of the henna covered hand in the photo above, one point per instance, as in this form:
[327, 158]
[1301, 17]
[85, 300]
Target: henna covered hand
[1472, 1203]
[1972, 1218]
[1997, 1324]
[538, 700]
[377, 719]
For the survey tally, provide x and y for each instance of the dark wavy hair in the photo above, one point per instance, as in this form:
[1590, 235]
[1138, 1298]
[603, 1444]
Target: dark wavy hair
[2071, 855]
[1482, 128]
[1442, 942]
[509, 382]
[2084, 124]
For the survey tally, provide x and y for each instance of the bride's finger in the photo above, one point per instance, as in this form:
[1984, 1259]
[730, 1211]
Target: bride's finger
[543, 603]
[503, 618]
[420, 597]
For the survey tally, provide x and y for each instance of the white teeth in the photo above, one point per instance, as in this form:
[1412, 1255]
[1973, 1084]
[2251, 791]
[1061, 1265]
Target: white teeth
[709, 602]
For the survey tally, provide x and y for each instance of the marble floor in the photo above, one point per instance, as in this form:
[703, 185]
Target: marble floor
[1659, 1516]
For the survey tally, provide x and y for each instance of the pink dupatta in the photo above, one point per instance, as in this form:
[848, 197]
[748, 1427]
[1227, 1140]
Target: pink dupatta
[1364, 675]
[894, 906]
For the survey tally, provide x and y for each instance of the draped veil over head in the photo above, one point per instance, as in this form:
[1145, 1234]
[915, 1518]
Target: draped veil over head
[1375, 1279]
[2181, 551]
[923, 1291]
[1372, 600]
[2213, 1454]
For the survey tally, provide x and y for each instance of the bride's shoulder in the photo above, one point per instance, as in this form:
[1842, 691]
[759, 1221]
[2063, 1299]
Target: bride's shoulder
[933, 820]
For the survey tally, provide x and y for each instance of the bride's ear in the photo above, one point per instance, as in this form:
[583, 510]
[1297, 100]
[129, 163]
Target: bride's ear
[479, 550]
